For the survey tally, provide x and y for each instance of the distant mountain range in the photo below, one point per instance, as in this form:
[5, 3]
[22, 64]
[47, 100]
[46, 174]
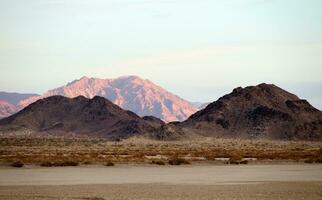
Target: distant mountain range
[262, 111]
[133, 93]
[200, 105]
[6, 109]
[10, 102]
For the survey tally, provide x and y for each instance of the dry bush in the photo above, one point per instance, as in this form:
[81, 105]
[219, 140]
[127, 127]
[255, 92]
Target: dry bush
[67, 163]
[158, 162]
[54, 151]
[233, 161]
[313, 160]
[309, 161]
[243, 162]
[109, 164]
[235, 157]
[17, 164]
[87, 162]
[178, 161]
[47, 164]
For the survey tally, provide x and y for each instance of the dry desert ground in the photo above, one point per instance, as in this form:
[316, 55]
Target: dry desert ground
[137, 168]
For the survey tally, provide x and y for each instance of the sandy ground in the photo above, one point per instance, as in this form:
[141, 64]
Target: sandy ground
[298, 181]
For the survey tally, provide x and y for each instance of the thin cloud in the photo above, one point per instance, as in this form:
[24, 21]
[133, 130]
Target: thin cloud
[183, 56]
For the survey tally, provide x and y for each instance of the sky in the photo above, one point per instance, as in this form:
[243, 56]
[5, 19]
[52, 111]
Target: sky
[197, 49]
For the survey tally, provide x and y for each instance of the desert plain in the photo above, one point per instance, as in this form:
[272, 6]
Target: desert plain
[138, 168]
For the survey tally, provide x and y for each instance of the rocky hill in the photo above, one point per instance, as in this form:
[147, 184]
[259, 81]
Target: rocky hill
[257, 111]
[94, 117]
[262, 111]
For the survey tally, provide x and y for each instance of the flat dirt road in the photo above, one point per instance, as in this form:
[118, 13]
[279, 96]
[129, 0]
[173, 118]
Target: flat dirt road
[291, 181]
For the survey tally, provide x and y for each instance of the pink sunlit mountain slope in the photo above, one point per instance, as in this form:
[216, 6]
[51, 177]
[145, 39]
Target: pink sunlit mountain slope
[6, 109]
[129, 92]
[9, 102]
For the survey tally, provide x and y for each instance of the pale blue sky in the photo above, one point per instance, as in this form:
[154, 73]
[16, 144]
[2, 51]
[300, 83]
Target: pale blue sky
[198, 49]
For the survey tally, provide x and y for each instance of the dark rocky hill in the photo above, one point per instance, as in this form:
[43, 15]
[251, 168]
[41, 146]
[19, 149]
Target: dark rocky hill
[257, 111]
[262, 111]
[95, 117]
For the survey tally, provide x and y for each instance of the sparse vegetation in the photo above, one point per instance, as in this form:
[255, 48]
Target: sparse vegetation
[69, 163]
[178, 161]
[87, 162]
[47, 164]
[233, 161]
[236, 158]
[243, 162]
[17, 164]
[59, 164]
[158, 162]
[109, 164]
[57, 151]
[309, 161]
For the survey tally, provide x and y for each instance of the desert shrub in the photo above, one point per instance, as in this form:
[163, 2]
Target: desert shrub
[151, 154]
[309, 160]
[319, 152]
[17, 164]
[87, 162]
[59, 164]
[47, 164]
[235, 158]
[178, 161]
[109, 164]
[233, 161]
[68, 163]
[243, 162]
[157, 162]
[209, 156]
[93, 198]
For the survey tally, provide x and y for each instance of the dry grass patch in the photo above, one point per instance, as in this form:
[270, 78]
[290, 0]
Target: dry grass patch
[56, 151]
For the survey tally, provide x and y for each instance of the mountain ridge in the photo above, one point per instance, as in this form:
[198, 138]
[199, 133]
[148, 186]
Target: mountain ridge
[96, 117]
[6, 109]
[264, 110]
[9, 102]
[129, 92]
[261, 111]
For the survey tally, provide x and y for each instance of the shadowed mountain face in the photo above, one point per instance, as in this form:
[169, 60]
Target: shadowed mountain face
[257, 111]
[94, 117]
[130, 93]
[262, 111]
